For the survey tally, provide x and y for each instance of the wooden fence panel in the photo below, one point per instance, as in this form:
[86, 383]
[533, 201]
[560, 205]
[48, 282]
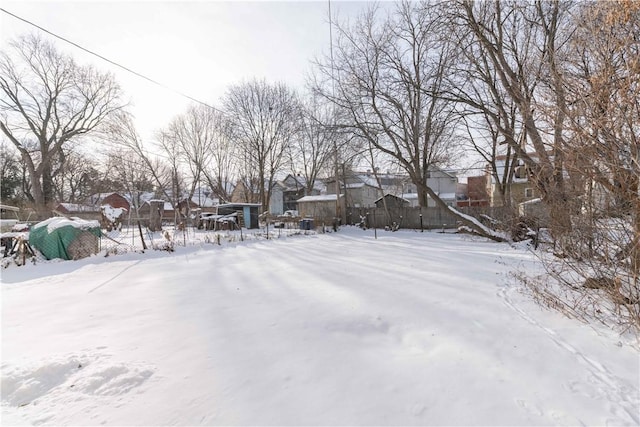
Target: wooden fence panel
[419, 218]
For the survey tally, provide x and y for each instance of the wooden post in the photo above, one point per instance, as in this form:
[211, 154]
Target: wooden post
[155, 215]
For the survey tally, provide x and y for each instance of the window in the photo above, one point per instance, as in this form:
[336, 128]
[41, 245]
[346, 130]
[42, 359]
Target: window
[528, 193]
[521, 172]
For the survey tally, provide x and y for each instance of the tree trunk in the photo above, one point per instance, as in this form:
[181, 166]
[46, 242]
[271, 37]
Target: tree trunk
[462, 218]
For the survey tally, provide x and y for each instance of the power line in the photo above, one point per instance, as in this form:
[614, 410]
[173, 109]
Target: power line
[108, 60]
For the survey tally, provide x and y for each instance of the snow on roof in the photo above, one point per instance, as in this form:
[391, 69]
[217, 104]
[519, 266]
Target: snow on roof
[205, 202]
[74, 207]
[301, 182]
[240, 204]
[531, 202]
[321, 198]
[355, 185]
[368, 180]
[443, 196]
[144, 196]
[447, 196]
[58, 222]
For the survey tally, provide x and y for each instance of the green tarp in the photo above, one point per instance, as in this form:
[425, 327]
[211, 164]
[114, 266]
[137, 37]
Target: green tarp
[65, 238]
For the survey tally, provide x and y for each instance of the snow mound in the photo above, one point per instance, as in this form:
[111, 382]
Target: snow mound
[23, 386]
[47, 382]
[112, 214]
[59, 222]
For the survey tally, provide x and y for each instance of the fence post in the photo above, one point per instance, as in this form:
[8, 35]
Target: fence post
[375, 226]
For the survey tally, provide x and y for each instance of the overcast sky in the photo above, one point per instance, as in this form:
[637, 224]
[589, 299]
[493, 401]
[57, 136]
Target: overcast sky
[195, 47]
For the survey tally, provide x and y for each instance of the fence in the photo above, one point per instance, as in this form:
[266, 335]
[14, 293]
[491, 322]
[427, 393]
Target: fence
[15, 247]
[421, 217]
[129, 237]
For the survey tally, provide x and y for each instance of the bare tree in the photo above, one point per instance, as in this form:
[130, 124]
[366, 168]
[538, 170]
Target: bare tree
[523, 43]
[49, 101]
[190, 138]
[170, 179]
[126, 172]
[603, 86]
[265, 118]
[489, 114]
[385, 75]
[224, 158]
[72, 176]
[313, 149]
[9, 175]
[162, 171]
[602, 81]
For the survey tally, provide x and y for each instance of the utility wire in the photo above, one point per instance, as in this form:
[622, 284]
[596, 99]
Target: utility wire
[165, 86]
[109, 61]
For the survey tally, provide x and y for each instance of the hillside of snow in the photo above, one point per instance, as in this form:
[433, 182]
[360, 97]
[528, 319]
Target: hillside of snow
[336, 329]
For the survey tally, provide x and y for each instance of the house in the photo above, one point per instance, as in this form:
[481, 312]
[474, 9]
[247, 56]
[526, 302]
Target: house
[361, 190]
[166, 211]
[92, 209]
[362, 194]
[295, 187]
[244, 193]
[450, 199]
[85, 212]
[322, 208]
[522, 187]
[114, 200]
[444, 183]
[203, 198]
[478, 188]
[67, 209]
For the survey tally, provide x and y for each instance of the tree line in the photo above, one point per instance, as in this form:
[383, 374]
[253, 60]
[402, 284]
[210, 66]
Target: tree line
[548, 84]
[548, 87]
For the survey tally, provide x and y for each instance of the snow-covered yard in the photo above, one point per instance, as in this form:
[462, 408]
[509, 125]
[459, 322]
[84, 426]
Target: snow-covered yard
[335, 329]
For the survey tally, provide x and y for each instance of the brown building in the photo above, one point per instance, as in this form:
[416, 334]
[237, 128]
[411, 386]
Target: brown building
[477, 191]
[114, 200]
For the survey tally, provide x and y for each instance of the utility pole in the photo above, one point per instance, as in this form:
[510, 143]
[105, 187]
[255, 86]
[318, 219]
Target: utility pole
[333, 94]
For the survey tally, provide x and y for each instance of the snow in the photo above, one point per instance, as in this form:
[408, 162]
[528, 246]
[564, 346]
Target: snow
[443, 196]
[531, 202]
[112, 214]
[488, 231]
[319, 198]
[447, 196]
[357, 185]
[332, 329]
[59, 222]
[74, 207]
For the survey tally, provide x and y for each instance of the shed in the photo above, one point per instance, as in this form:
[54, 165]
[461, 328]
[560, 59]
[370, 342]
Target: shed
[392, 202]
[247, 213]
[66, 238]
[323, 208]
